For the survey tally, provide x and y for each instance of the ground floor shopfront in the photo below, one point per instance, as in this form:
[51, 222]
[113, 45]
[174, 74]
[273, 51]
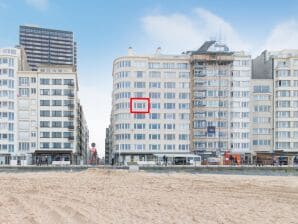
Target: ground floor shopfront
[156, 158]
[56, 158]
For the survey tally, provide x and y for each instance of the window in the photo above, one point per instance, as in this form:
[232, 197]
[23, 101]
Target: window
[154, 84]
[139, 136]
[153, 95]
[169, 95]
[56, 124]
[139, 74]
[45, 92]
[45, 81]
[69, 82]
[44, 102]
[56, 102]
[56, 135]
[56, 113]
[23, 91]
[154, 116]
[169, 105]
[154, 126]
[24, 81]
[169, 136]
[45, 113]
[182, 66]
[56, 81]
[169, 85]
[139, 85]
[154, 136]
[261, 89]
[56, 92]
[44, 124]
[139, 126]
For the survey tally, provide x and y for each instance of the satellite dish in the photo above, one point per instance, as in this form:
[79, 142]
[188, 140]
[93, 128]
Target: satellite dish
[93, 144]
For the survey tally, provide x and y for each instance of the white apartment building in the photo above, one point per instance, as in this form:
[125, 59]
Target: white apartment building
[279, 92]
[9, 59]
[285, 71]
[220, 100]
[47, 114]
[262, 106]
[165, 80]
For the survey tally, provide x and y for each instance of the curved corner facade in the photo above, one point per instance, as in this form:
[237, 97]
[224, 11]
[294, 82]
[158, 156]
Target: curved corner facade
[165, 81]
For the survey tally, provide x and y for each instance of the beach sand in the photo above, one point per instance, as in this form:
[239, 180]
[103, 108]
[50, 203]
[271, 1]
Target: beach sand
[118, 196]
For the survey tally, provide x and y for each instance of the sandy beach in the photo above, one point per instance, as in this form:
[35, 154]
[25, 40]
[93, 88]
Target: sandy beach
[117, 196]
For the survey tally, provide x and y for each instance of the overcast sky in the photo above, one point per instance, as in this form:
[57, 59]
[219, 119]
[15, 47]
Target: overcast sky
[105, 29]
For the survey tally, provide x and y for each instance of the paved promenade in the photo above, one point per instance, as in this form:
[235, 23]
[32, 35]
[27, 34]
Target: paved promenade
[239, 170]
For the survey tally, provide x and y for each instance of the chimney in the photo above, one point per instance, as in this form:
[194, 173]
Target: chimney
[158, 50]
[130, 51]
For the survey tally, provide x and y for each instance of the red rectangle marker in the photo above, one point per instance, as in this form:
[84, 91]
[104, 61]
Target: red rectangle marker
[140, 105]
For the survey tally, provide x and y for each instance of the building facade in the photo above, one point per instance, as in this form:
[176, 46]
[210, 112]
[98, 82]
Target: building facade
[9, 62]
[51, 123]
[48, 46]
[220, 112]
[262, 106]
[275, 85]
[164, 80]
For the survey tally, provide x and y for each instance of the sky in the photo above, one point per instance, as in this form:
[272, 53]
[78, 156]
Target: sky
[105, 29]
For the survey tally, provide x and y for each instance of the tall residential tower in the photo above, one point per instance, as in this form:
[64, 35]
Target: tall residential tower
[48, 46]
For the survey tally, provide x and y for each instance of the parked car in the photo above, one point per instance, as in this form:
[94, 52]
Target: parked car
[283, 160]
[295, 160]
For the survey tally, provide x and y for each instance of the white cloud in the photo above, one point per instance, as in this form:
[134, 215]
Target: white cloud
[283, 36]
[179, 32]
[38, 4]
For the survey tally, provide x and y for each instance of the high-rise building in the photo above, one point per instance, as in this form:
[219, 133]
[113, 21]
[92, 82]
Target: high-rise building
[48, 46]
[50, 119]
[220, 113]
[150, 106]
[9, 62]
[279, 107]
[262, 106]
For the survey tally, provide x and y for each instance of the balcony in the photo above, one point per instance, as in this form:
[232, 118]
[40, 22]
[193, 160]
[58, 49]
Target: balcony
[70, 96]
[71, 138]
[70, 117]
[71, 106]
[71, 127]
[71, 85]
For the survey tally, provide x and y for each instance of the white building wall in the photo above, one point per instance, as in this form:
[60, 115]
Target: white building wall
[47, 111]
[262, 115]
[8, 107]
[165, 80]
[285, 71]
[240, 103]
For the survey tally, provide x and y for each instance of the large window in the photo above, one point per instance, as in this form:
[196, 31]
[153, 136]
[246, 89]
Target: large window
[261, 89]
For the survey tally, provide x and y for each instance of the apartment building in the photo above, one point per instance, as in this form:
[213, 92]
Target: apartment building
[108, 147]
[262, 106]
[150, 106]
[50, 118]
[220, 112]
[82, 136]
[48, 46]
[9, 60]
[279, 90]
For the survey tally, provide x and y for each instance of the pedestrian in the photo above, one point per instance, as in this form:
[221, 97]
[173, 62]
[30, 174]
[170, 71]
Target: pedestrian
[164, 159]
